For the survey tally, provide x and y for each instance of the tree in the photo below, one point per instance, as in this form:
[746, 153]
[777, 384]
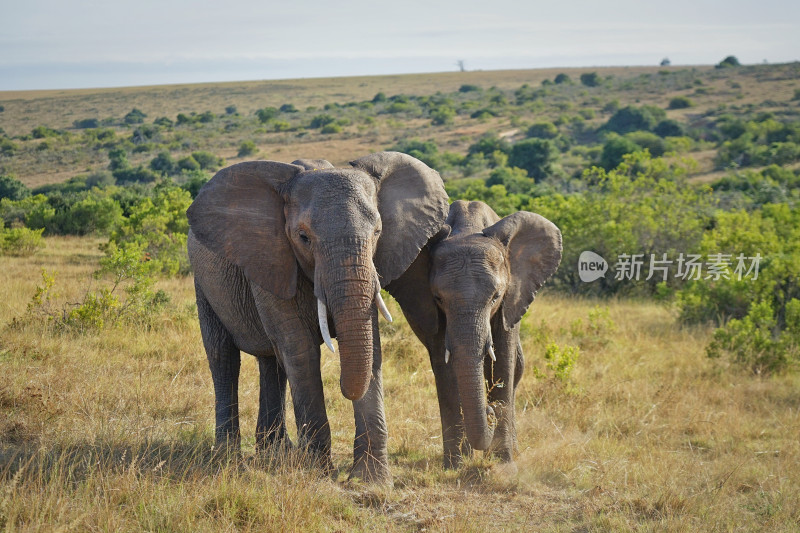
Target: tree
[536, 156]
[680, 102]
[614, 150]
[665, 62]
[266, 114]
[543, 130]
[163, 163]
[728, 62]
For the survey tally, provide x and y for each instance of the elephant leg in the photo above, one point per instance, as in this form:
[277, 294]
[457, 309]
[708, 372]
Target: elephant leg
[454, 438]
[271, 423]
[297, 349]
[224, 360]
[370, 452]
[502, 384]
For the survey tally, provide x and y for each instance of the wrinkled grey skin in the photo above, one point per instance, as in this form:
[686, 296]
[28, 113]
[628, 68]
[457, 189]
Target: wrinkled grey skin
[268, 240]
[467, 291]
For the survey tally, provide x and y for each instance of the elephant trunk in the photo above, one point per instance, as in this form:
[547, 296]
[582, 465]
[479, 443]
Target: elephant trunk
[468, 353]
[349, 292]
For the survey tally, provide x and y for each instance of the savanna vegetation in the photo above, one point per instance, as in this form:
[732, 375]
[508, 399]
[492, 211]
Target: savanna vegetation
[663, 395]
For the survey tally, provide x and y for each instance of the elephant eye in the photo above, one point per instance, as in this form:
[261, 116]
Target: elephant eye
[495, 297]
[304, 237]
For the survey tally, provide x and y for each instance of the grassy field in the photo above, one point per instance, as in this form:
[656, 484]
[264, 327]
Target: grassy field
[364, 130]
[113, 430]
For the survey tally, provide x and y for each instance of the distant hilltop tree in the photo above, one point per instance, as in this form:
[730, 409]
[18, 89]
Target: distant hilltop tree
[562, 78]
[590, 79]
[728, 62]
[666, 62]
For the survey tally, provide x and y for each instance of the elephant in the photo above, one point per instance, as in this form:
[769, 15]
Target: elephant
[287, 256]
[464, 297]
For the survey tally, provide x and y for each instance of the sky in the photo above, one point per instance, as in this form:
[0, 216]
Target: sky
[59, 44]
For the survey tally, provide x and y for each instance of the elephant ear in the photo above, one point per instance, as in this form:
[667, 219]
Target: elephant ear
[238, 214]
[413, 207]
[533, 246]
[313, 164]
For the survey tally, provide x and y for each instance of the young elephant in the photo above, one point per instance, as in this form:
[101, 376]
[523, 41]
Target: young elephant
[464, 297]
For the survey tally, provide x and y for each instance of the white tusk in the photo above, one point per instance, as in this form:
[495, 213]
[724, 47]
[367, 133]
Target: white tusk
[323, 325]
[446, 356]
[382, 305]
[491, 353]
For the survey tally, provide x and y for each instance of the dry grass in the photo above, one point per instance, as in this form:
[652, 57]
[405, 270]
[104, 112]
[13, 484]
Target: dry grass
[113, 431]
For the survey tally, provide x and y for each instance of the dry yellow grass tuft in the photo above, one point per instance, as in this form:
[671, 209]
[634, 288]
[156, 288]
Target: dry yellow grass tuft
[113, 430]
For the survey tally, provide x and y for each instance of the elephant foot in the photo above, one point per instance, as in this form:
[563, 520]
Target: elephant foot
[372, 470]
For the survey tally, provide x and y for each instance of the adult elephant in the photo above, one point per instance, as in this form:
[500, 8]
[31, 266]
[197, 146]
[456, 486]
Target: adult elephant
[464, 297]
[274, 248]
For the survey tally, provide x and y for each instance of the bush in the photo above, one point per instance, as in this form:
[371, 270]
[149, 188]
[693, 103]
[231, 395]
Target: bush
[266, 114]
[562, 78]
[632, 118]
[614, 151]
[7, 146]
[515, 180]
[489, 144]
[536, 156]
[728, 62]
[230, 110]
[669, 128]
[468, 88]
[135, 116]
[247, 148]
[331, 128]
[163, 163]
[680, 102]
[20, 242]
[86, 123]
[756, 341]
[319, 121]
[159, 226]
[139, 174]
[543, 130]
[188, 163]
[590, 79]
[13, 189]
[207, 160]
[288, 108]
[442, 115]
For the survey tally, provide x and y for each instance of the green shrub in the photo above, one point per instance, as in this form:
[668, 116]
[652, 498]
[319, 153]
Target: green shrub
[13, 189]
[614, 151]
[591, 79]
[135, 116]
[442, 115]
[320, 121]
[86, 123]
[515, 180]
[331, 128]
[266, 114]
[631, 118]
[669, 128]
[42, 132]
[728, 62]
[188, 163]
[289, 108]
[159, 226]
[536, 156]
[468, 88]
[231, 110]
[247, 148]
[7, 146]
[757, 342]
[562, 78]
[543, 130]
[20, 242]
[680, 102]
[488, 144]
[207, 160]
[163, 163]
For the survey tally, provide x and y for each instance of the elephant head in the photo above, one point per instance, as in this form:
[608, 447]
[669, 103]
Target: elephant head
[484, 269]
[350, 231]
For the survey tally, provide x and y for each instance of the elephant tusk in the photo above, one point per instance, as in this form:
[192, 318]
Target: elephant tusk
[491, 353]
[382, 306]
[446, 356]
[323, 325]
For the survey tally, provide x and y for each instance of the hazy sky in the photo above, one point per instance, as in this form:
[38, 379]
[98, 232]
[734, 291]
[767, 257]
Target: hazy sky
[100, 43]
